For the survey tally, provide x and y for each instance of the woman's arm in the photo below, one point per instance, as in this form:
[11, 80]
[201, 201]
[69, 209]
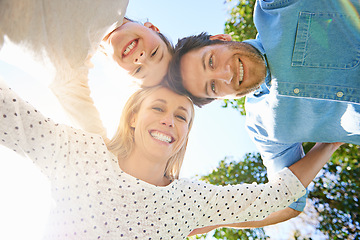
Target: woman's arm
[27, 132]
[306, 169]
[309, 166]
[274, 218]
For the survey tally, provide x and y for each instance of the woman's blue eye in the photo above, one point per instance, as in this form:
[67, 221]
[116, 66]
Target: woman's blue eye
[157, 109]
[181, 117]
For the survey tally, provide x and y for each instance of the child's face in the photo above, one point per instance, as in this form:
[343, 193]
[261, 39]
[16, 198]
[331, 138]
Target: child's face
[139, 50]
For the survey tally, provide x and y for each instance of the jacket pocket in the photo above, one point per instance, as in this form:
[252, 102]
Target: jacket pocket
[326, 40]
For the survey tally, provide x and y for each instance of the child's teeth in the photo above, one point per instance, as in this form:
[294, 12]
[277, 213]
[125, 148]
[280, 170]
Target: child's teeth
[128, 49]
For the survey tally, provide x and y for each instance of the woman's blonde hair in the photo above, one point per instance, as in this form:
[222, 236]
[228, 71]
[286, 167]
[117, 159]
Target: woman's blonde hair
[122, 143]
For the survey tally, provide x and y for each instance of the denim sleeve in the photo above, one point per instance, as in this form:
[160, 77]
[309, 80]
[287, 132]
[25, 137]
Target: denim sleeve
[276, 156]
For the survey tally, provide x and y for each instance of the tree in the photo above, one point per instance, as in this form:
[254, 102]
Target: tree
[336, 195]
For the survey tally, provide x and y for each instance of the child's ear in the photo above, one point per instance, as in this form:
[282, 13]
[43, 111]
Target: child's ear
[222, 37]
[151, 26]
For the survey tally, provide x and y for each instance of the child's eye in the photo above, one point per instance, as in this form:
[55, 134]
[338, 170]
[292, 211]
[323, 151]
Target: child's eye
[154, 53]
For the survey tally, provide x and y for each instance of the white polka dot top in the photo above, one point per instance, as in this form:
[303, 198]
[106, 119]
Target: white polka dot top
[96, 200]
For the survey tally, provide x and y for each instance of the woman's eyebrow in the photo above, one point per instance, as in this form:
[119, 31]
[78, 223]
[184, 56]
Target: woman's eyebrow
[184, 109]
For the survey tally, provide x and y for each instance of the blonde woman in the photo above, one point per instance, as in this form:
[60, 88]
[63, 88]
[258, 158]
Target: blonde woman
[130, 189]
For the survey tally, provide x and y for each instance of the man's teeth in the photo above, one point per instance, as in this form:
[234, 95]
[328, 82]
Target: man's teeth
[241, 72]
[128, 49]
[161, 137]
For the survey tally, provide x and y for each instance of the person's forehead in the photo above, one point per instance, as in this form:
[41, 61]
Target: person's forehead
[192, 72]
[167, 96]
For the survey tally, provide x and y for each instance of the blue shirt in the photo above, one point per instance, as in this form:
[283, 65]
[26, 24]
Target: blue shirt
[312, 90]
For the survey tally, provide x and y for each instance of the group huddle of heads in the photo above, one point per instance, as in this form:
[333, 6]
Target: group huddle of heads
[151, 58]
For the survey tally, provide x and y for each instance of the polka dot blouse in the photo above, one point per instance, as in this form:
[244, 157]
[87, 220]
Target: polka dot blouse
[95, 199]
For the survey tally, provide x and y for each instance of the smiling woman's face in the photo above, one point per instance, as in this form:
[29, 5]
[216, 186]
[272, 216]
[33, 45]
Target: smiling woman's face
[140, 51]
[162, 124]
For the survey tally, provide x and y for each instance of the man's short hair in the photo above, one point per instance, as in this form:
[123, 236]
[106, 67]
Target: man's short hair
[174, 79]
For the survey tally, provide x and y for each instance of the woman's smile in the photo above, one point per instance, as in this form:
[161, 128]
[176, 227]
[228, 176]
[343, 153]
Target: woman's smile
[162, 136]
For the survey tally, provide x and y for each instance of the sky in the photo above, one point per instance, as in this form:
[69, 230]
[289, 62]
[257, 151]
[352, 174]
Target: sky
[217, 132]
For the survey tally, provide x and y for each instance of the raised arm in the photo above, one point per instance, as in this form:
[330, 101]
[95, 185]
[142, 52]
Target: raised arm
[26, 131]
[309, 166]
[73, 93]
[306, 170]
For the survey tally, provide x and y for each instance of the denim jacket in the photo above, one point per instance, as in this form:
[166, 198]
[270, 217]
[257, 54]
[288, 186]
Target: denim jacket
[312, 90]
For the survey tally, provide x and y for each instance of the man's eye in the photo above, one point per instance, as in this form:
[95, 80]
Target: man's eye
[211, 62]
[154, 53]
[213, 87]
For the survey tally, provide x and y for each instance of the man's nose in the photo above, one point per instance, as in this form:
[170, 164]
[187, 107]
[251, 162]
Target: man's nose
[224, 74]
[139, 59]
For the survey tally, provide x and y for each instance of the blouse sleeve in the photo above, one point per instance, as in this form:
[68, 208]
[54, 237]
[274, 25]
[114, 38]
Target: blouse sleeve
[249, 202]
[27, 132]
[72, 90]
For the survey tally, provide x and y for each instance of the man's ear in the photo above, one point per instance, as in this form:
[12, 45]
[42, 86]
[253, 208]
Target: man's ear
[222, 37]
[151, 26]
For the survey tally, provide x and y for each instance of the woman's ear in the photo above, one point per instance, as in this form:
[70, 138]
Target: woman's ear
[222, 37]
[133, 120]
[151, 26]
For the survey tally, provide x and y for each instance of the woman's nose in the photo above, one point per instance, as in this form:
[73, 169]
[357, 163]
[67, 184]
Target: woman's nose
[140, 58]
[167, 121]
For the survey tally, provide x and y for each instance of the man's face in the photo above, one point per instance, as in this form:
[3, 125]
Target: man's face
[224, 70]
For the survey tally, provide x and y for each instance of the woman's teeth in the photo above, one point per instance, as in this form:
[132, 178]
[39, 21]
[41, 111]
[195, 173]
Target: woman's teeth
[161, 137]
[131, 46]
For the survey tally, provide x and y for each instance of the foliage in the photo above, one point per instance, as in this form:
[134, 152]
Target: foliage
[237, 104]
[336, 194]
[240, 26]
